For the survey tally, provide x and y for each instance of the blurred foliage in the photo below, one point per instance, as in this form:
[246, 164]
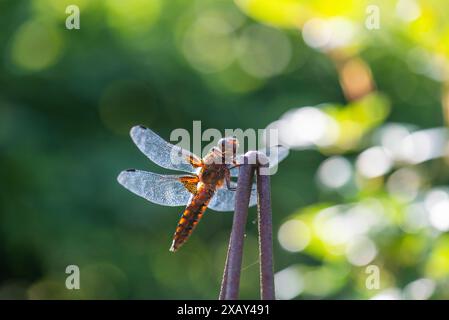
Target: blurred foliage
[363, 111]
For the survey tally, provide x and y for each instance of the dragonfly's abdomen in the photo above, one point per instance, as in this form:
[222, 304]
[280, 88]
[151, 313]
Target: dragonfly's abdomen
[192, 214]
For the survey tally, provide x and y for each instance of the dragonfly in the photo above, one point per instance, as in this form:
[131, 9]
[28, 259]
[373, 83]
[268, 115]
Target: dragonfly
[204, 182]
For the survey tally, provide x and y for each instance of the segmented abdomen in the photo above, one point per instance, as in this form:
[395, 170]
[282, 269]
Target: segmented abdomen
[192, 214]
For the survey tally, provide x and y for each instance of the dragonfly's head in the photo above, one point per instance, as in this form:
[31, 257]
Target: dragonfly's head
[228, 145]
[224, 152]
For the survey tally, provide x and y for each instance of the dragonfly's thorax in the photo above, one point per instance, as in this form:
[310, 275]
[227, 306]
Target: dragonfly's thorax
[218, 157]
[213, 174]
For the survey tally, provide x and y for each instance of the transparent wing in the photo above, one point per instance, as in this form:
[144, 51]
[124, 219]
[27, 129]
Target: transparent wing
[224, 199]
[275, 155]
[160, 151]
[165, 190]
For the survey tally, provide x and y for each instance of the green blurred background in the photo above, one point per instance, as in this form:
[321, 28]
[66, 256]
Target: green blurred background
[361, 102]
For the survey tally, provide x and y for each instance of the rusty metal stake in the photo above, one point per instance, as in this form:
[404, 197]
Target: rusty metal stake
[231, 275]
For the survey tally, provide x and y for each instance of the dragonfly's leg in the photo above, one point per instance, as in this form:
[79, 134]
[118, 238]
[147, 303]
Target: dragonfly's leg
[190, 182]
[228, 181]
[196, 163]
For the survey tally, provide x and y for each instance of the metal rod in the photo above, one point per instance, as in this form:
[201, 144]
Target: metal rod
[225, 276]
[235, 253]
[265, 230]
[231, 275]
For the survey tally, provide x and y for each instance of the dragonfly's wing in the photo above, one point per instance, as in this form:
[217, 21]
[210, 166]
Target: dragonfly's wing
[224, 199]
[165, 190]
[161, 152]
[275, 155]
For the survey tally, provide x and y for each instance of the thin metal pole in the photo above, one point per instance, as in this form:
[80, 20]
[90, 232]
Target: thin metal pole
[265, 230]
[235, 254]
[225, 276]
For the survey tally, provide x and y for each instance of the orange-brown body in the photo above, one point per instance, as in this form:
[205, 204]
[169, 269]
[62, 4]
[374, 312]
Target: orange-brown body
[211, 177]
